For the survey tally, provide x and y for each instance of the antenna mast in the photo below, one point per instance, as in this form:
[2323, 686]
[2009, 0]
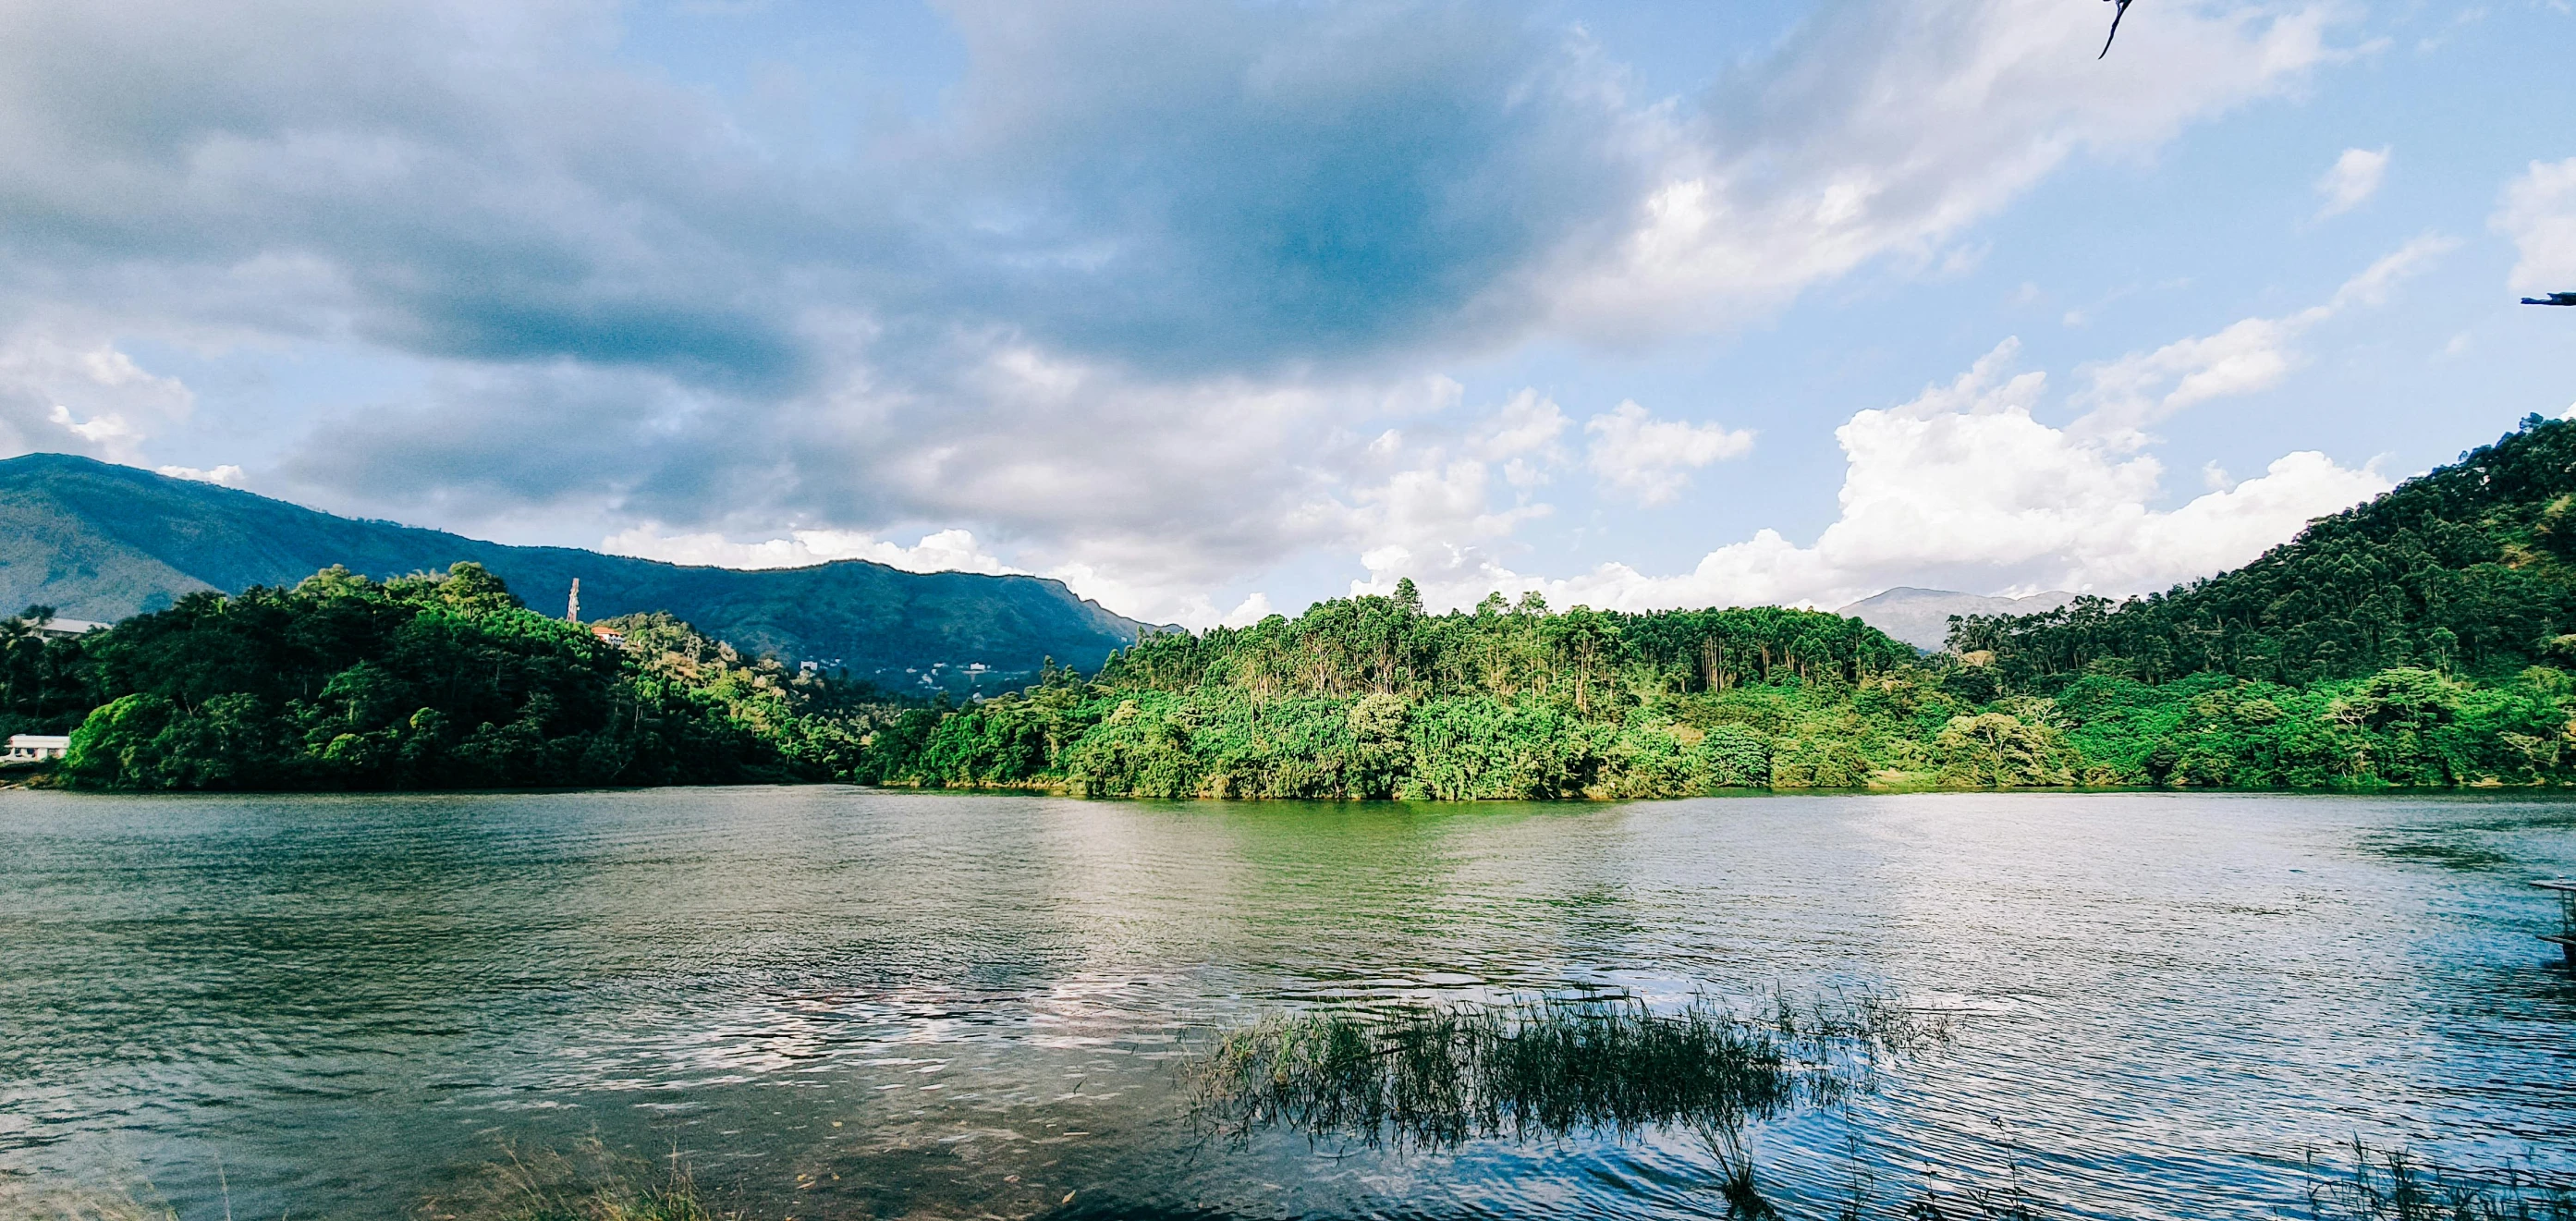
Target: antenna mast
[572, 607]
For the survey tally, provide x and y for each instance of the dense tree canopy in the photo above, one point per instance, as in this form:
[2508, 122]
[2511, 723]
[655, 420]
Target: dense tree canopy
[1371, 698]
[431, 681]
[2414, 640]
[2469, 569]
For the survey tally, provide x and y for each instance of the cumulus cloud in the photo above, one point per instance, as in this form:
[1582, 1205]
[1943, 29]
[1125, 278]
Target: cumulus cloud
[227, 475]
[1964, 485]
[82, 394]
[942, 551]
[2539, 214]
[1649, 460]
[1250, 611]
[2354, 178]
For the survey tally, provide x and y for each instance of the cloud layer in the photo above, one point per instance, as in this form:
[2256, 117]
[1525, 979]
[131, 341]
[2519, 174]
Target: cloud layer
[1965, 485]
[2539, 214]
[1141, 299]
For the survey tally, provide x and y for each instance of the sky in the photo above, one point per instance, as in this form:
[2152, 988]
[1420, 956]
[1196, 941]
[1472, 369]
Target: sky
[1215, 309]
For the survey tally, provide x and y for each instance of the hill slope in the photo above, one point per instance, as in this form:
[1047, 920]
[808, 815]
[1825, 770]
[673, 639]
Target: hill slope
[2470, 567]
[99, 541]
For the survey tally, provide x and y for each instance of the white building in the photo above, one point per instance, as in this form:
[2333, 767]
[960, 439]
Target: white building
[35, 747]
[65, 629]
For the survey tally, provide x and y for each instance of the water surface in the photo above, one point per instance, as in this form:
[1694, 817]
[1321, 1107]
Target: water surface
[841, 1002]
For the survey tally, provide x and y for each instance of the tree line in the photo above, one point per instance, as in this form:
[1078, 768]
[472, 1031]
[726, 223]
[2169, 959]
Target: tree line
[2469, 569]
[2419, 640]
[427, 681]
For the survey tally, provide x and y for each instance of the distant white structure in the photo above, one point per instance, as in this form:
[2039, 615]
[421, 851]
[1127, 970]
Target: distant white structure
[608, 634]
[35, 747]
[572, 605]
[65, 629]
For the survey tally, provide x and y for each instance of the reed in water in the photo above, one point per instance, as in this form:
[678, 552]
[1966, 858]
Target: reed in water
[1438, 1076]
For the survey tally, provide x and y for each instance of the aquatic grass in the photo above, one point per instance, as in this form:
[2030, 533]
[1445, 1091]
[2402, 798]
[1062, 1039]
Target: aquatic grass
[30, 1200]
[591, 1183]
[1438, 1076]
[2393, 1185]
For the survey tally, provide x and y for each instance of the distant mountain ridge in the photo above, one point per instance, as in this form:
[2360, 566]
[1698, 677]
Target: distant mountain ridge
[99, 541]
[1921, 617]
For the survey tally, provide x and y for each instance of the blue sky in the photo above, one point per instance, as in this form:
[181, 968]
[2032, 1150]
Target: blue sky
[1217, 308]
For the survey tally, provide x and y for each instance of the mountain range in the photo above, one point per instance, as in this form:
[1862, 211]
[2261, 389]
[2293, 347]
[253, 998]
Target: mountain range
[1921, 617]
[102, 542]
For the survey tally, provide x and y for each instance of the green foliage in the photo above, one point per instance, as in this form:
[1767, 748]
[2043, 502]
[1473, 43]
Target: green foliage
[2422, 640]
[2468, 569]
[1994, 750]
[428, 681]
[1369, 697]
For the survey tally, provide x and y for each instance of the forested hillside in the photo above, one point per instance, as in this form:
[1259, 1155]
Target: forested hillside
[1371, 697]
[98, 541]
[2413, 641]
[440, 682]
[2469, 569]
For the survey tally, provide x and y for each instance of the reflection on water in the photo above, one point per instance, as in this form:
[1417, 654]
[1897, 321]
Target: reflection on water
[855, 1002]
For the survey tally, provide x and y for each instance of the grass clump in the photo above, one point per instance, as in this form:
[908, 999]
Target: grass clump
[2392, 1185]
[28, 1200]
[1435, 1077]
[591, 1183]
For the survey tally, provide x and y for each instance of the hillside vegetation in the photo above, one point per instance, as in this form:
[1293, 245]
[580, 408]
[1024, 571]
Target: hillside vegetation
[2469, 569]
[440, 681]
[2414, 641]
[98, 541]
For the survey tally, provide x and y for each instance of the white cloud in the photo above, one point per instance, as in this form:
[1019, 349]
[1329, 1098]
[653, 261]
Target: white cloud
[1809, 169]
[2376, 281]
[1526, 424]
[1963, 485]
[228, 475]
[108, 432]
[1650, 460]
[2539, 214]
[2354, 177]
[943, 551]
[62, 391]
[1250, 611]
[2133, 392]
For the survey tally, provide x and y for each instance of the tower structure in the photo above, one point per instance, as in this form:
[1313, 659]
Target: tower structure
[572, 605]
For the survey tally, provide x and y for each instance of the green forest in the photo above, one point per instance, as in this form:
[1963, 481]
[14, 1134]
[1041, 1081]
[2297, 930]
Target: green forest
[2420, 640]
[433, 681]
[2417, 640]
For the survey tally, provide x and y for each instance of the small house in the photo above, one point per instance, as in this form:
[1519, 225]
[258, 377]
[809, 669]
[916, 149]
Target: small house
[608, 634]
[36, 747]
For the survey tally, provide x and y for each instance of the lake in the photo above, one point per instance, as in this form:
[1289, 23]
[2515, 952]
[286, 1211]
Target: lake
[838, 1002]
